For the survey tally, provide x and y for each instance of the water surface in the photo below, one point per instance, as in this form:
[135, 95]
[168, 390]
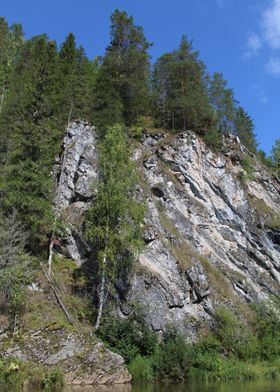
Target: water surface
[256, 386]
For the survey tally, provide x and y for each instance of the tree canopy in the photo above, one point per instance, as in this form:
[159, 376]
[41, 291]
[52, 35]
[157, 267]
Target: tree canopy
[180, 93]
[114, 220]
[122, 84]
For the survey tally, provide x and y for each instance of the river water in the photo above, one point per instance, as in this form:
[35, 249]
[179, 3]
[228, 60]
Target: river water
[256, 386]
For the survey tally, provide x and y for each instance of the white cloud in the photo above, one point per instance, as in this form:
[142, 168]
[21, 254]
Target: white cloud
[254, 45]
[222, 3]
[260, 92]
[273, 66]
[269, 30]
[271, 24]
[264, 100]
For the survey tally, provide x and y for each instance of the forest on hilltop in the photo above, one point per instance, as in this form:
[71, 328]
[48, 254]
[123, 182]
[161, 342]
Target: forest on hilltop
[43, 88]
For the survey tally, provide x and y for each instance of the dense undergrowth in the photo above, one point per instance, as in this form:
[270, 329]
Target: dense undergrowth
[235, 349]
[16, 375]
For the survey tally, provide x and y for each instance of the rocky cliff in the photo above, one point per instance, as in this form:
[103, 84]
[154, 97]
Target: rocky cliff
[212, 231]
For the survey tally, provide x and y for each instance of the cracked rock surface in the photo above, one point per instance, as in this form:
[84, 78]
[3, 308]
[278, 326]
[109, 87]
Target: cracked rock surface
[84, 363]
[209, 234]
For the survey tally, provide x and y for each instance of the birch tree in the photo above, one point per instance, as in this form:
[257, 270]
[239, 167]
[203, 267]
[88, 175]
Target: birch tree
[276, 157]
[114, 220]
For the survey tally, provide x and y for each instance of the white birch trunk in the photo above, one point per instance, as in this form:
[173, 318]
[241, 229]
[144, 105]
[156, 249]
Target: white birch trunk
[101, 295]
[2, 99]
[50, 258]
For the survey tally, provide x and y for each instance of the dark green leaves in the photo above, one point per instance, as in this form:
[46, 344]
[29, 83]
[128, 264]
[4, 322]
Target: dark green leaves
[114, 220]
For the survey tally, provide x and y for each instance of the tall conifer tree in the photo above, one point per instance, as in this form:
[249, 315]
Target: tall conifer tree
[180, 90]
[122, 84]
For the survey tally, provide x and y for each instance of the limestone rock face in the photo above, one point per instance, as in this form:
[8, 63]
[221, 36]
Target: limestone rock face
[212, 231]
[78, 165]
[75, 175]
[84, 363]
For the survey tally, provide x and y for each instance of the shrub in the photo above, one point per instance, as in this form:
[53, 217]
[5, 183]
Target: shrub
[142, 368]
[15, 373]
[248, 167]
[234, 334]
[267, 328]
[130, 337]
[173, 358]
[53, 380]
[213, 139]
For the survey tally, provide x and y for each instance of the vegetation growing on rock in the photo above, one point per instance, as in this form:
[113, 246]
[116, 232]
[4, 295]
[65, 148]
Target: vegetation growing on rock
[43, 88]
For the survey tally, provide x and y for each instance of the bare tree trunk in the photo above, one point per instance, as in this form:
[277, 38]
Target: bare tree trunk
[101, 295]
[59, 300]
[15, 324]
[70, 114]
[50, 257]
[2, 98]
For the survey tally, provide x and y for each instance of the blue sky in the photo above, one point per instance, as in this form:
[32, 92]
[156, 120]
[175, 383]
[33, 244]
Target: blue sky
[240, 38]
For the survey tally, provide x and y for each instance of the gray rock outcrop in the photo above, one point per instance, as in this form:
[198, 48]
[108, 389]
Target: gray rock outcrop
[84, 363]
[75, 175]
[210, 231]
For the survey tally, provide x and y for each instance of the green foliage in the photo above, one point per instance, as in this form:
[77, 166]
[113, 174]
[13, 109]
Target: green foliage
[130, 337]
[234, 335]
[244, 128]
[265, 159]
[234, 350]
[142, 368]
[15, 373]
[15, 271]
[121, 91]
[43, 87]
[173, 358]
[180, 93]
[213, 139]
[248, 167]
[53, 381]
[76, 80]
[230, 117]
[267, 328]
[113, 223]
[276, 157]
[13, 281]
[46, 89]
[223, 102]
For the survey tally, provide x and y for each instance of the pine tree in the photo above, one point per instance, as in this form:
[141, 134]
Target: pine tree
[113, 221]
[265, 159]
[180, 90]
[276, 157]
[77, 76]
[244, 129]
[34, 138]
[11, 39]
[223, 102]
[122, 84]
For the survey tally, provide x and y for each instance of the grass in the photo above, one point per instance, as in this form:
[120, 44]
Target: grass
[16, 375]
[248, 166]
[181, 250]
[42, 311]
[272, 220]
[221, 369]
[185, 255]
